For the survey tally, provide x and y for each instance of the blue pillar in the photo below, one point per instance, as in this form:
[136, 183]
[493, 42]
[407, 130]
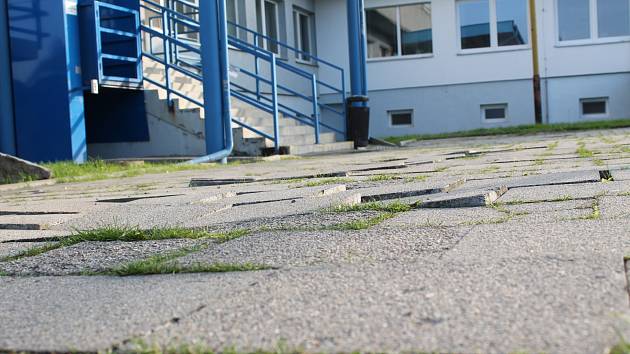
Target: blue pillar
[7, 124]
[357, 48]
[214, 52]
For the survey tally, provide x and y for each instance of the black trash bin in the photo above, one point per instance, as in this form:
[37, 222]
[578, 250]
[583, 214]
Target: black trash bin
[358, 122]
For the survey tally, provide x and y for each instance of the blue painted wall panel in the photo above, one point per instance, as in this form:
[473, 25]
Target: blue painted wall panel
[48, 99]
[7, 129]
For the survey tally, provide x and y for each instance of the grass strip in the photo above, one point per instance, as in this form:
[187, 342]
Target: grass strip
[93, 170]
[165, 264]
[356, 225]
[519, 130]
[129, 234]
[395, 207]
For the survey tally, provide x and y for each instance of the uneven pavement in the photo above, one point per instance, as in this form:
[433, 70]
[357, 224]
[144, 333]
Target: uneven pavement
[488, 245]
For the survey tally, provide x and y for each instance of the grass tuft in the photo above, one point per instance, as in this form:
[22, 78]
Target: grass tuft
[362, 224]
[383, 178]
[165, 264]
[520, 130]
[93, 170]
[130, 234]
[327, 181]
[395, 207]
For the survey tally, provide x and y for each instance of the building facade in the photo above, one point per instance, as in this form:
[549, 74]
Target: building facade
[452, 65]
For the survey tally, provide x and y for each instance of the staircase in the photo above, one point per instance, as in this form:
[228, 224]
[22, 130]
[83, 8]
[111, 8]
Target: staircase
[176, 98]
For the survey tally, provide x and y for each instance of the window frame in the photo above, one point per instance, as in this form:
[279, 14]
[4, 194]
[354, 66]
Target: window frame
[606, 101]
[409, 111]
[262, 19]
[594, 29]
[485, 107]
[399, 55]
[494, 31]
[297, 34]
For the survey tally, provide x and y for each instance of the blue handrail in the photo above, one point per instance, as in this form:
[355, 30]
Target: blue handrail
[178, 55]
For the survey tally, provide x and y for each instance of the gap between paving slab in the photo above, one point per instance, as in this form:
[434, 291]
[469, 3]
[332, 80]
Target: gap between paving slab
[414, 193]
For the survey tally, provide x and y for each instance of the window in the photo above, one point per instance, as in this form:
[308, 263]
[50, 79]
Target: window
[401, 118]
[268, 23]
[399, 31]
[594, 107]
[613, 18]
[492, 23]
[304, 23]
[232, 16]
[493, 113]
[592, 19]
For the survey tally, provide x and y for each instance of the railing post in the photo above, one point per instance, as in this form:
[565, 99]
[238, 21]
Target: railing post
[167, 55]
[274, 100]
[315, 107]
[343, 102]
[257, 68]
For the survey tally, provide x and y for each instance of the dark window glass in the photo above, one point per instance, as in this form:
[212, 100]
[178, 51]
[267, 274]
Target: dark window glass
[512, 26]
[594, 107]
[613, 18]
[574, 19]
[305, 35]
[401, 118]
[382, 37]
[495, 113]
[474, 22]
[271, 25]
[231, 17]
[415, 27]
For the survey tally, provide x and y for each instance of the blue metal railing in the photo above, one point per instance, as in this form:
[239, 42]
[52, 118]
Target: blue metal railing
[106, 35]
[179, 34]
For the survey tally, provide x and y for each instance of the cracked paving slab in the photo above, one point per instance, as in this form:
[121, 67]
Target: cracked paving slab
[457, 306]
[300, 248]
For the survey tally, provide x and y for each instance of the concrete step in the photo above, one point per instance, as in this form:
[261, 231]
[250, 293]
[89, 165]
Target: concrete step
[262, 121]
[320, 148]
[303, 139]
[284, 130]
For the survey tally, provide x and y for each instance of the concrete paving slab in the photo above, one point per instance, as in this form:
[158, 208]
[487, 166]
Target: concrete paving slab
[445, 217]
[30, 235]
[427, 306]
[91, 257]
[8, 249]
[299, 249]
[615, 207]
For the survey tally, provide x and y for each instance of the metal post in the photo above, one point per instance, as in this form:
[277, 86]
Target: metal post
[274, 100]
[357, 49]
[257, 68]
[315, 107]
[167, 52]
[7, 122]
[216, 86]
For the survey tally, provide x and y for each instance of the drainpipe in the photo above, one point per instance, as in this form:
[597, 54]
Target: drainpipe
[536, 65]
[7, 122]
[357, 49]
[216, 84]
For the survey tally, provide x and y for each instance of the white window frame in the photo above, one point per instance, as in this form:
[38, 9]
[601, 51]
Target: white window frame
[594, 29]
[595, 115]
[485, 107]
[298, 35]
[401, 111]
[494, 31]
[399, 55]
[263, 23]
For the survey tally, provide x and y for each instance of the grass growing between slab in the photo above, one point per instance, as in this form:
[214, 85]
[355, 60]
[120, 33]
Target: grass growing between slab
[395, 207]
[520, 130]
[129, 234]
[94, 170]
[364, 224]
[621, 348]
[327, 181]
[165, 264]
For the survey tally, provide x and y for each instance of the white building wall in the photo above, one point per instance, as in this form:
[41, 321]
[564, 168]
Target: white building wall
[446, 89]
